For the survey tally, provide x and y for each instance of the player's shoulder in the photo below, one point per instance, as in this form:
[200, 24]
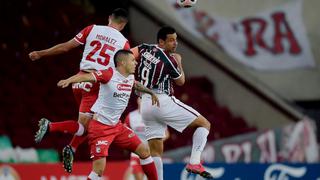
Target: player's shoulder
[176, 56]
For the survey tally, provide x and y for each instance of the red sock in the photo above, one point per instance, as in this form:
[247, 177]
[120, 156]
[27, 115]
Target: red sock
[150, 170]
[77, 140]
[70, 126]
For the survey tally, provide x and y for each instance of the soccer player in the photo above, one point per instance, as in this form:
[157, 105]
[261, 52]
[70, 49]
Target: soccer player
[135, 122]
[160, 66]
[100, 44]
[105, 128]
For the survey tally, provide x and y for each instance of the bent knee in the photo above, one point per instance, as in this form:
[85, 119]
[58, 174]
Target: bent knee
[143, 151]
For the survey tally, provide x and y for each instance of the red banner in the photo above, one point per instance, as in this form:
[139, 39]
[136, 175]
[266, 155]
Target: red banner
[54, 171]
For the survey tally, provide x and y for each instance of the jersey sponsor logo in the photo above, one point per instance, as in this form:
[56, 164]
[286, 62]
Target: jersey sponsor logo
[79, 35]
[86, 86]
[124, 87]
[121, 95]
[150, 57]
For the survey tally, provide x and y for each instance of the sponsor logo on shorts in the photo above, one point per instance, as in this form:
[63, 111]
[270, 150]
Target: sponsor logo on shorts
[131, 135]
[102, 143]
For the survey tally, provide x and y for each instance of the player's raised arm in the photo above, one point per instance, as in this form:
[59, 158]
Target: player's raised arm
[88, 77]
[181, 79]
[55, 50]
[141, 88]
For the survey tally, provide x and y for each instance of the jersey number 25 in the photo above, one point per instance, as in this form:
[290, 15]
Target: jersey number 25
[102, 49]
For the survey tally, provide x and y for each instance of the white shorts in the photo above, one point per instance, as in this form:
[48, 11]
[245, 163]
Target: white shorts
[172, 112]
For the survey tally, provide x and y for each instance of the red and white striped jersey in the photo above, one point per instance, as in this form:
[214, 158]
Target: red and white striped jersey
[114, 95]
[100, 45]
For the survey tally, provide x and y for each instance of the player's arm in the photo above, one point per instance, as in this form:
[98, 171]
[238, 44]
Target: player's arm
[139, 87]
[55, 50]
[88, 77]
[102, 76]
[181, 79]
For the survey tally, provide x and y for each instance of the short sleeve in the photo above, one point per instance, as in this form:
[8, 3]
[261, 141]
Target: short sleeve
[103, 76]
[126, 46]
[173, 68]
[83, 34]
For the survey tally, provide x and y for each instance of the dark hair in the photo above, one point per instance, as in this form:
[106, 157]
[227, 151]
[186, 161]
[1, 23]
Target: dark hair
[119, 55]
[164, 31]
[120, 15]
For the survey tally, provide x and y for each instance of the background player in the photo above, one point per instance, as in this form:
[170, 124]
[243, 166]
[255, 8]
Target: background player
[135, 122]
[106, 128]
[100, 45]
[158, 67]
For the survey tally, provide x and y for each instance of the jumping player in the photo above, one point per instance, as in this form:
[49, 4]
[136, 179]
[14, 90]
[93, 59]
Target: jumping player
[160, 66]
[100, 44]
[105, 128]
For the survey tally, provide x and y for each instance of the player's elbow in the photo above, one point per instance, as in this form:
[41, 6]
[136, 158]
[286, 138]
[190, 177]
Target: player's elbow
[180, 81]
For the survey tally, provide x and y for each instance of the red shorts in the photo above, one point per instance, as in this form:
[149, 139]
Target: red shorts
[86, 94]
[101, 136]
[135, 164]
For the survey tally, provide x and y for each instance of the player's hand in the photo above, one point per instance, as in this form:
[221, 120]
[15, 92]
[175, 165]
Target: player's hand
[155, 100]
[63, 83]
[34, 55]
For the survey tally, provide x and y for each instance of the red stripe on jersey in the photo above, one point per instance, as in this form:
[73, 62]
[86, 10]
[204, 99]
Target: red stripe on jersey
[103, 76]
[83, 34]
[126, 46]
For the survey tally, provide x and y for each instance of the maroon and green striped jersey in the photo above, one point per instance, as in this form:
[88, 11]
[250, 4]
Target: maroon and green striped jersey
[157, 68]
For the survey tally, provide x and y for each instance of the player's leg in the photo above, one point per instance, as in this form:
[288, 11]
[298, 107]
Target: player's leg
[100, 137]
[181, 116]
[155, 129]
[98, 167]
[156, 151]
[68, 126]
[127, 139]
[135, 168]
[88, 97]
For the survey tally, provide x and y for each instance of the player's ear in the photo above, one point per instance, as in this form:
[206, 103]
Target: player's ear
[161, 42]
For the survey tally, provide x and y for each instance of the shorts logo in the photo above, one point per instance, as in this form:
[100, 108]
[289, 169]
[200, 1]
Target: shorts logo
[131, 135]
[98, 149]
[102, 143]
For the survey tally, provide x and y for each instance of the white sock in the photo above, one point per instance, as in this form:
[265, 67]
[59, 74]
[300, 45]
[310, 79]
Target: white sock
[80, 130]
[199, 140]
[94, 176]
[158, 162]
[148, 160]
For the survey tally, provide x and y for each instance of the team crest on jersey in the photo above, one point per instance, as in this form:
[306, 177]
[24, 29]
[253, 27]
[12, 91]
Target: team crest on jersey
[155, 50]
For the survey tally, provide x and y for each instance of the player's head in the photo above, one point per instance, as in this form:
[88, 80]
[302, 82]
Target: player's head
[124, 60]
[167, 38]
[118, 18]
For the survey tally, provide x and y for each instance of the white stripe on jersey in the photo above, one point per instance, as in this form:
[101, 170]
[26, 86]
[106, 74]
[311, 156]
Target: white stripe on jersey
[177, 71]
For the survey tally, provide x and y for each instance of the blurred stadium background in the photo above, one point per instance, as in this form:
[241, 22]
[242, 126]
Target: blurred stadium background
[265, 114]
